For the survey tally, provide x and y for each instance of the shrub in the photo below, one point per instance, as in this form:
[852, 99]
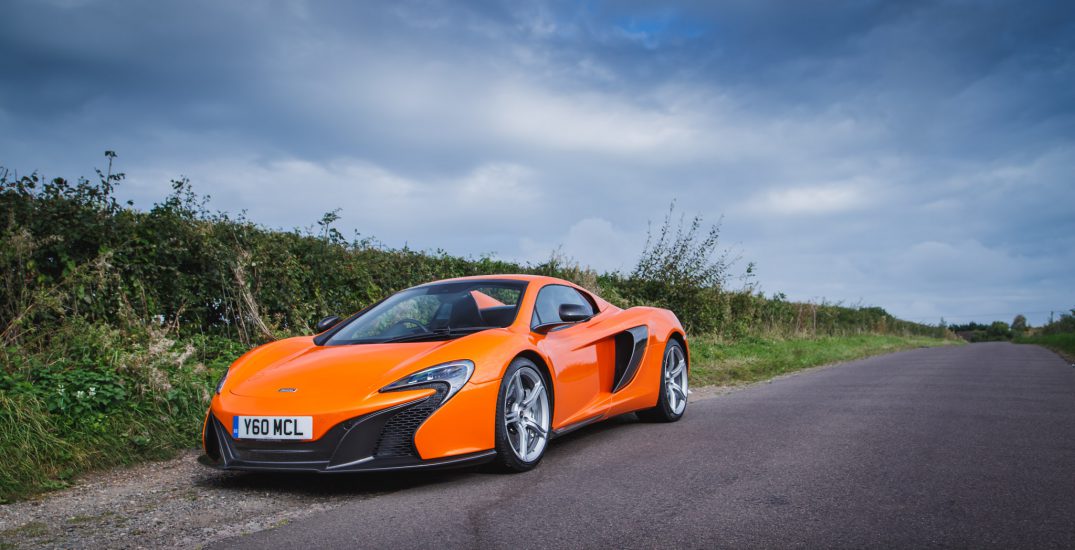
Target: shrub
[682, 268]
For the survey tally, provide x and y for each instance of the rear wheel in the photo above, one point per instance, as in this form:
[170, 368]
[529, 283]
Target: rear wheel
[523, 416]
[672, 401]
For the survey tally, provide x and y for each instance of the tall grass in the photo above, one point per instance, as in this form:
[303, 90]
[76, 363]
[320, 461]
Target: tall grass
[1057, 335]
[1061, 343]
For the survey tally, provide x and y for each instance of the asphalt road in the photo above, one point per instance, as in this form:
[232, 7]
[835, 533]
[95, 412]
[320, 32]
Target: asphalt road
[970, 446]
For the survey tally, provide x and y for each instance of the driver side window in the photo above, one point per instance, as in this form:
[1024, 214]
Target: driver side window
[549, 300]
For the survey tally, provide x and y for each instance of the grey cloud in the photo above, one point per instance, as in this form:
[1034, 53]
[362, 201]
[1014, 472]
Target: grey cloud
[914, 155]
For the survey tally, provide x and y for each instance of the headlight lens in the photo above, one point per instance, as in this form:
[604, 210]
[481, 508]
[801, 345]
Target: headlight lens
[454, 374]
[220, 384]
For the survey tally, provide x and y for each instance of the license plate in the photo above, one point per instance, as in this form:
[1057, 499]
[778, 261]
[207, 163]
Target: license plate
[272, 427]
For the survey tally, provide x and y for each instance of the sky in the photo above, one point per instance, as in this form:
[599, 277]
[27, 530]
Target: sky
[917, 156]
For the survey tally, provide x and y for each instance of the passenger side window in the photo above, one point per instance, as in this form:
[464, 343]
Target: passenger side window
[549, 300]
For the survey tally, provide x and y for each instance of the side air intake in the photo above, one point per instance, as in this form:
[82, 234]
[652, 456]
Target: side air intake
[630, 346]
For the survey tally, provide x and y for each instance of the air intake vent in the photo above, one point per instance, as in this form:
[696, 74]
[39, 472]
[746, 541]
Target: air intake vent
[397, 437]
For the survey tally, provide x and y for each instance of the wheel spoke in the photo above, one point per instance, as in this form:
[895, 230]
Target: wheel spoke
[538, 429]
[678, 391]
[676, 371]
[524, 440]
[511, 417]
[517, 390]
[533, 395]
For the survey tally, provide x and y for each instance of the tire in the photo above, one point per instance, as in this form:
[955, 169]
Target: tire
[523, 418]
[672, 398]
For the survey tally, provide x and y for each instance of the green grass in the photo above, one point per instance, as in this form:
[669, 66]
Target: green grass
[1064, 344]
[102, 398]
[716, 362]
[42, 452]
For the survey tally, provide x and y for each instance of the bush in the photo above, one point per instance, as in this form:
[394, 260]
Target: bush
[1064, 325]
[682, 269]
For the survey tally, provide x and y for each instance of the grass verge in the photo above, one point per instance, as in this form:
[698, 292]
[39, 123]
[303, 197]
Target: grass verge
[1064, 344]
[42, 452]
[716, 362]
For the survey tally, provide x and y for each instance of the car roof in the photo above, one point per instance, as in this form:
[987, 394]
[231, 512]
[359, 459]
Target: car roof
[508, 277]
[541, 280]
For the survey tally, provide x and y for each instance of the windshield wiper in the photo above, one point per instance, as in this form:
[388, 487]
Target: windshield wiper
[434, 334]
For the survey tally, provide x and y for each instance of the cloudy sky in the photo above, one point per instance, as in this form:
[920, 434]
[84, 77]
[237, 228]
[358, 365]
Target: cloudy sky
[914, 155]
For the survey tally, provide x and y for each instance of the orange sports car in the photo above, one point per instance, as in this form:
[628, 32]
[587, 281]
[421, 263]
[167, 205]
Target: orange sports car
[444, 374]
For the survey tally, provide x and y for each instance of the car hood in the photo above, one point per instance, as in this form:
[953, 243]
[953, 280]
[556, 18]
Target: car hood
[311, 369]
[298, 366]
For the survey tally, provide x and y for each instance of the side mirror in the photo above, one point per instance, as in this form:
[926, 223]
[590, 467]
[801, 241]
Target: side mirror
[574, 313]
[327, 323]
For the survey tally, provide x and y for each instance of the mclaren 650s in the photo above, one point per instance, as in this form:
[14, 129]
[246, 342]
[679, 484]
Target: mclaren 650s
[448, 373]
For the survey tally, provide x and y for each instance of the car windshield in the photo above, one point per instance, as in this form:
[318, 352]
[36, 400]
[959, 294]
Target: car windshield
[436, 311]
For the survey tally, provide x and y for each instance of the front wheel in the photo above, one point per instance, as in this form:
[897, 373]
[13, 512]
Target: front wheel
[523, 417]
[672, 401]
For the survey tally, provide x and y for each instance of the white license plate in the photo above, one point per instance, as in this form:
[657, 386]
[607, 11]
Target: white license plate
[272, 427]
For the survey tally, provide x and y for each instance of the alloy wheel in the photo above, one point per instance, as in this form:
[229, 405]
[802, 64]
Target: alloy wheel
[675, 379]
[526, 414]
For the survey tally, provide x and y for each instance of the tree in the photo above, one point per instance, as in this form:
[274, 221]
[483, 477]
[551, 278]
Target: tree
[999, 330]
[1019, 324]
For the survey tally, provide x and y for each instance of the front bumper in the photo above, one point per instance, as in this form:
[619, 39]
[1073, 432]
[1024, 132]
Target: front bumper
[379, 441]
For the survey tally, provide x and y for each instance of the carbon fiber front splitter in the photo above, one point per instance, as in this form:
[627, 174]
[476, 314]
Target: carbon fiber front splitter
[380, 441]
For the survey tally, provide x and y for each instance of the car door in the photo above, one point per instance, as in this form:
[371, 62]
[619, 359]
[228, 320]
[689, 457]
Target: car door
[581, 389]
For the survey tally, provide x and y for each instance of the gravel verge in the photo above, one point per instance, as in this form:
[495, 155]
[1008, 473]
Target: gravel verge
[177, 503]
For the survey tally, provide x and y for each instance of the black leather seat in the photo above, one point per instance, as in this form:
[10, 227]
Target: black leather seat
[465, 313]
[498, 316]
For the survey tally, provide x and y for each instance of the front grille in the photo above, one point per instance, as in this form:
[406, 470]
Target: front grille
[397, 437]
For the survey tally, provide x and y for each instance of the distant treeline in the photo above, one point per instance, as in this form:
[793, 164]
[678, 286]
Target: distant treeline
[1000, 330]
[996, 331]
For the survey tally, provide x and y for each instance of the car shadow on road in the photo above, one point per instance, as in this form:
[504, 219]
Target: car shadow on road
[326, 485]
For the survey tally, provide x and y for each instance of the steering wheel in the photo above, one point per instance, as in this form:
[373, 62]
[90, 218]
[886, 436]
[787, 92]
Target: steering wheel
[407, 321]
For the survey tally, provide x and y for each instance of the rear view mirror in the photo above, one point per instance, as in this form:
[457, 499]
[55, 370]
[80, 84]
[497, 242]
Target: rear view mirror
[327, 323]
[574, 313]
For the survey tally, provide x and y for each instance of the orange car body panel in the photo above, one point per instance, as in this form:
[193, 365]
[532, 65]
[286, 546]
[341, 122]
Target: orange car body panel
[337, 383]
[484, 300]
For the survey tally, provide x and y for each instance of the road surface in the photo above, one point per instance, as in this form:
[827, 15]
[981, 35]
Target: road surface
[970, 446]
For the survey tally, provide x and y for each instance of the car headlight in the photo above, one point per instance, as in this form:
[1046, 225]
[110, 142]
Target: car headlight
[454, 374]
[220, 384]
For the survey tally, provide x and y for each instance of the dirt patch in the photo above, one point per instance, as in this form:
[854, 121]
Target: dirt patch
[176, 503]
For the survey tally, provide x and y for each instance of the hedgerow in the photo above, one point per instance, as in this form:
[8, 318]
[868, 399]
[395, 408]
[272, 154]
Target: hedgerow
[116, 321]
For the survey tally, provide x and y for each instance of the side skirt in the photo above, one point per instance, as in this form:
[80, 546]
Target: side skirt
[577, 425]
